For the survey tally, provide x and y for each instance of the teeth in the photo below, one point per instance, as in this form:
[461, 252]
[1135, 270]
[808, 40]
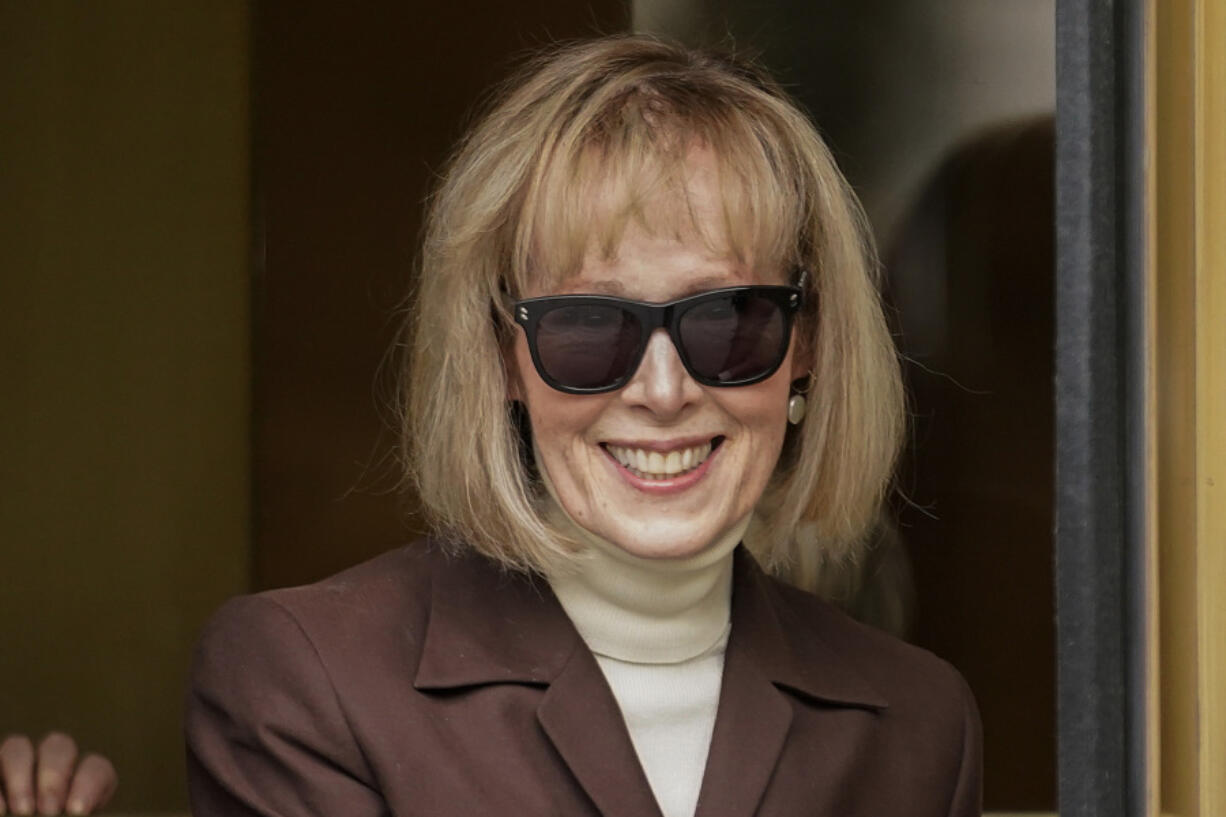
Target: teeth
[655, 465]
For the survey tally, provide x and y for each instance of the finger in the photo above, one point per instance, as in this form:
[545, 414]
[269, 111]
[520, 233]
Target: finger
[57, 754]
[92, 785]
[17, 773]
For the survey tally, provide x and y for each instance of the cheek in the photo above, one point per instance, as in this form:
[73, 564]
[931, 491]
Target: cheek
[762, 416]
[799, 362]
[564, 454]
[560, 422]
[764, 409]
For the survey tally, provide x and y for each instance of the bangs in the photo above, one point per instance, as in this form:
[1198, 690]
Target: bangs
[643, 164]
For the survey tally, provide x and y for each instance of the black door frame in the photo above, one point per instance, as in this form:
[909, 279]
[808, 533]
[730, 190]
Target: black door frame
[1100, 407]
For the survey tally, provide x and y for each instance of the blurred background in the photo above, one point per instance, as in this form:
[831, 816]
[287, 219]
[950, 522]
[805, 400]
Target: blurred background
[208, 221]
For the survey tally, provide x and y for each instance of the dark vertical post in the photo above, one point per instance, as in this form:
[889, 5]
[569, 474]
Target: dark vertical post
[1100, 422]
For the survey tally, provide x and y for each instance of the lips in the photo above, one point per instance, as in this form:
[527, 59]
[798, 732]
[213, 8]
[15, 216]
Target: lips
[661, 465]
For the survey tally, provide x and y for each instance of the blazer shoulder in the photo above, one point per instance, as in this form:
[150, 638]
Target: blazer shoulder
[928, 707]
[389, 584]
[376, 609]
[265, 721]
[903, 673]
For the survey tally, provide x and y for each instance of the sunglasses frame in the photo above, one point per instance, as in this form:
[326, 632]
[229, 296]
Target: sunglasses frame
[652, 316]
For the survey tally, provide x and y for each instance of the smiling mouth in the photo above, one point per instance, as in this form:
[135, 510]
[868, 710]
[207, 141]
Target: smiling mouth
[661, 465]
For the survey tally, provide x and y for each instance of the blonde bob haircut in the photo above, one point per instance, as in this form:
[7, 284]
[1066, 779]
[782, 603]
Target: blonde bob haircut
[585, 140]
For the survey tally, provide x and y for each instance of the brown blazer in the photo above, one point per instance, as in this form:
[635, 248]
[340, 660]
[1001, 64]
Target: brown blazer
[425, 684]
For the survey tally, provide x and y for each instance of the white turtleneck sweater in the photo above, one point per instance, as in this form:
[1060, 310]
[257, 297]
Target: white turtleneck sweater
[658, 629]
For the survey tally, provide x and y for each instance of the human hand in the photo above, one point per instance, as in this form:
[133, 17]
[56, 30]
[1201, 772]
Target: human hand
[53, 773]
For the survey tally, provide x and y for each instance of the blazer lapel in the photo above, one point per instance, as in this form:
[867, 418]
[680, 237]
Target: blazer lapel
[586, 726]
[751, 724]
[772, 657]
[751, 727]
[488, 626]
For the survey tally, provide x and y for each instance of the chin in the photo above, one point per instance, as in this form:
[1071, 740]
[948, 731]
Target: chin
[649, 547]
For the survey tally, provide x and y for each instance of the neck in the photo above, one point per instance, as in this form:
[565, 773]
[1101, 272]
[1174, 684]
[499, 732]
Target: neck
[646, 610]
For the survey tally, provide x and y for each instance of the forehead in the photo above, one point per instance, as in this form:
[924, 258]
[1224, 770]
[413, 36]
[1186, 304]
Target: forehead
[652, 230]
[646, 192]
[648, 267]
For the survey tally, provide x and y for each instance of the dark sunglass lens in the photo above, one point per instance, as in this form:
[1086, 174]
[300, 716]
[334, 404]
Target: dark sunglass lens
[733, 338]
[587, 346]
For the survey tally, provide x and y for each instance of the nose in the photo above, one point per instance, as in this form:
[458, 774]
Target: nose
[661, 384]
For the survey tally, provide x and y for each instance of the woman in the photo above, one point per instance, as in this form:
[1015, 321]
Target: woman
[646, 331]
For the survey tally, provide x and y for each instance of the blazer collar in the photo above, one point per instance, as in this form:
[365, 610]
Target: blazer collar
[790, 637]
[776, 644]
[489, 625]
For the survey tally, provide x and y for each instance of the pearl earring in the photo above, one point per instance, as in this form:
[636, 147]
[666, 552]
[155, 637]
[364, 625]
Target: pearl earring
[796, 409]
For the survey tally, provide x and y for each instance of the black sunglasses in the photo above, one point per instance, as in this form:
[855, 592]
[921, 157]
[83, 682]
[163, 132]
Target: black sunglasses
[586, 344]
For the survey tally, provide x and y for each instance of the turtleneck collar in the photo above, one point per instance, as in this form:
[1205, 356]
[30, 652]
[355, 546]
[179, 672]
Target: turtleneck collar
[648, 611]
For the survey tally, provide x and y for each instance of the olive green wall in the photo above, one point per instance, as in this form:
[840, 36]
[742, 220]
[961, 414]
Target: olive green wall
[124, 366]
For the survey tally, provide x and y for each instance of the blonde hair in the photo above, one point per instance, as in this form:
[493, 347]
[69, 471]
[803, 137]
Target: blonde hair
[584, 140]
